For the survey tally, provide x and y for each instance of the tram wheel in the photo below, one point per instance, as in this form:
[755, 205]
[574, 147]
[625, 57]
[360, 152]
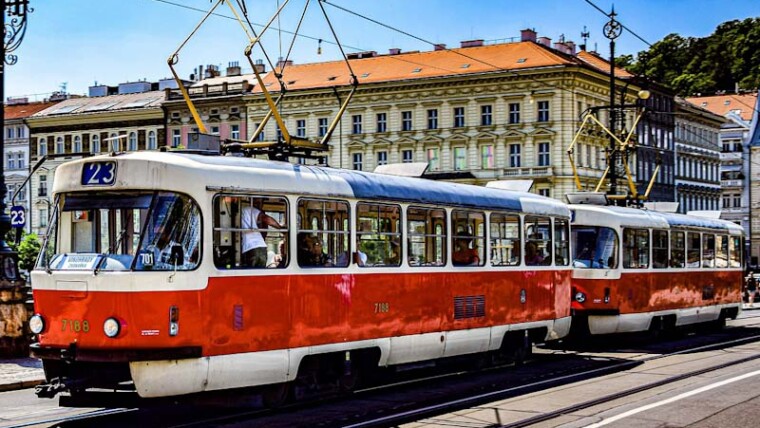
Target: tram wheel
[277, 395]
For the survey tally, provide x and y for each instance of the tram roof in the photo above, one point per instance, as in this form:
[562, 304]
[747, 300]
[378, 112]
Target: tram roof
[636, 217]
[316, 180]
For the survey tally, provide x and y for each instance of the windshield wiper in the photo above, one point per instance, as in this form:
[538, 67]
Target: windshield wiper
[111, 250]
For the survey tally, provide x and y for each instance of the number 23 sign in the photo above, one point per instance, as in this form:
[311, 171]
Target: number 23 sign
[18, 216]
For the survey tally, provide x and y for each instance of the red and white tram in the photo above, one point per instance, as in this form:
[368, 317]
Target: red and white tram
[143, 284]
[636, 269]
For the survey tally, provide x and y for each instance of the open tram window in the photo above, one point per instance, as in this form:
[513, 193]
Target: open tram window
[378, 235]
[561, 240]
[693, 248]
[323, 233]
[594, 247]
[505, 240]
[635, 248]
[721, 251]
[735, 251]
[708, 250]
[427, 236]
[468, 238]
[538, 241]
[250, 231]
[677, 249]
[659, 249]
[123, 230]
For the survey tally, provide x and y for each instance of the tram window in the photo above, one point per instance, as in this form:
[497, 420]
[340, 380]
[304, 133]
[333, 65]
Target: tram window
[708, 250]
[721, 251]
[561, 239]
[735, 251]
[427, 236]
[677, 249]
[323, 233]
[538, 241]
[694, 245]
[505, 240]
[594, 247]
[250, 232]
[636, 248]
[659, 249]
[378, 235]
[468, 238]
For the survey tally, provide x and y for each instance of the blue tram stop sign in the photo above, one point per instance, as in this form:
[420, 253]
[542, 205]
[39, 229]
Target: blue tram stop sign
[18, 216]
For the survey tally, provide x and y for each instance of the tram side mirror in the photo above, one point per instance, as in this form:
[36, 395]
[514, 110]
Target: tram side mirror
[177, 255]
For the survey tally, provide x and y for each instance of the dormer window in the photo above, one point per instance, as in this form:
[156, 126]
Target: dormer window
[521, 60]
[416, 70]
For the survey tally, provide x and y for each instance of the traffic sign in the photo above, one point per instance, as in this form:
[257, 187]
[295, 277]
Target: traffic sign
[18, 216]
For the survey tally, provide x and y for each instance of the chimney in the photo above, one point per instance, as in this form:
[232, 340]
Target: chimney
[282, 63]
[546, 41]
[200, 72]
[528, 35]
[233, 69]
[360, 55]
[439, 47]
[472, 43]
[561, 47]
[260, 67]
[570, 47]
[394, 51]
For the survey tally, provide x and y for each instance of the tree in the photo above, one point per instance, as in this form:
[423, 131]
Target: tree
[28, 250]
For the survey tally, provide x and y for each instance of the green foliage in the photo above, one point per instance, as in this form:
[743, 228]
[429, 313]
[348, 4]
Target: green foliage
[28, 250]
[718, 62]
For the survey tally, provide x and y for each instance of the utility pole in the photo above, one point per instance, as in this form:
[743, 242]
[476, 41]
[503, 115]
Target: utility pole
[612, 31]
[13, 286]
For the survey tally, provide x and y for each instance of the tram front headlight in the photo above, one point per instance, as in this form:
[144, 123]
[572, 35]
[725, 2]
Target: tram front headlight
[111, 327]
[580, 297]
[36, 324]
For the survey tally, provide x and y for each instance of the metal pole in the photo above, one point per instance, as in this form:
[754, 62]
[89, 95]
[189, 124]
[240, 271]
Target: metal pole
[612, 31]
[5, 220]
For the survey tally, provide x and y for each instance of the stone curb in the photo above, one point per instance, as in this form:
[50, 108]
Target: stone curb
[23, 384]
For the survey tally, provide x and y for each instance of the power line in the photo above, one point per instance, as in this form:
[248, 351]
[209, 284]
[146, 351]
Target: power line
[621, 24]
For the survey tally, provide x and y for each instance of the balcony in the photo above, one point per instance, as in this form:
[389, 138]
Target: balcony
[731, 157]
[528, 171]
[731, 183]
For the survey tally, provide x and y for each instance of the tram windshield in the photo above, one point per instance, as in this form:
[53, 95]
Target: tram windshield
[594, 247]
[119, 231]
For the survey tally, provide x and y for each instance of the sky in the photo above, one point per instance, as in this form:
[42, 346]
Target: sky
[78, 43]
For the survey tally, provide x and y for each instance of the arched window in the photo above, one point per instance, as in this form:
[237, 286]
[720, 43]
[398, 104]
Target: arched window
[59, 147]
[132, 141]
[43, 147]
[95, 143]
[77, 144]
[114, 142]
[152, 140]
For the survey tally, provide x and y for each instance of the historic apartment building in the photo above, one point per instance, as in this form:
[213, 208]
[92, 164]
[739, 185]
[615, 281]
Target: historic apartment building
[80, 127]
[16, 148]
[698, 161]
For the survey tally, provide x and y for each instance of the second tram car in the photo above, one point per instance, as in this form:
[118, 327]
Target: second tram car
[145, 282]
[636, 269]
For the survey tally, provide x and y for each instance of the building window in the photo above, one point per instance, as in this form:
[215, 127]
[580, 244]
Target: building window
[9, 133]
[279, 133]
[356, 121]
[259, 137]
[514, 113]
[77, 144]
[358, 161]
[544, 192]
[432, 119]
[235, 132]
[458, 117]
[301, 128]
[543, 154]
[214, 130]
[382, 122]
[95, 143]
[59, 147]
[486, 115]
[433, 158]
[133, 140]
[460, 158]
[407, 156]
[322, 126]
[43, 147]
[406, 120]
[486, 157]
[737, 200]
[11, 161]
[514, 156]
[114, 142]
[176, 138]
[152, 140]
[20, 160]
[382, 158]
[20, 132]
[43, 217]
[42, 189]
[543, 111]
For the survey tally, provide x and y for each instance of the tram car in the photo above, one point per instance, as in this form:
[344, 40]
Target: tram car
[168, 273]
[637, 270]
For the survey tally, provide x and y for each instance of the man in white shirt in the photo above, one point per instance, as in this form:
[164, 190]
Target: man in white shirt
[254, 244]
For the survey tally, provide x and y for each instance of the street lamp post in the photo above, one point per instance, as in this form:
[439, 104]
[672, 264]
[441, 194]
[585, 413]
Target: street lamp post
[12, 339]
[612, 31]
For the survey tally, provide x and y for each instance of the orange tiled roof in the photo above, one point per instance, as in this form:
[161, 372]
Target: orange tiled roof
[601, 64]
[723, 104]
[418, 65]
[21, 111]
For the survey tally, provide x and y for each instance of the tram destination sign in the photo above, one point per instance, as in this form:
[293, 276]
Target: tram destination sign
[99, 174]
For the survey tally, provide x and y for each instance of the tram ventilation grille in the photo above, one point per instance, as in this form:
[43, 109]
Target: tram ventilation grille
[469, 307]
